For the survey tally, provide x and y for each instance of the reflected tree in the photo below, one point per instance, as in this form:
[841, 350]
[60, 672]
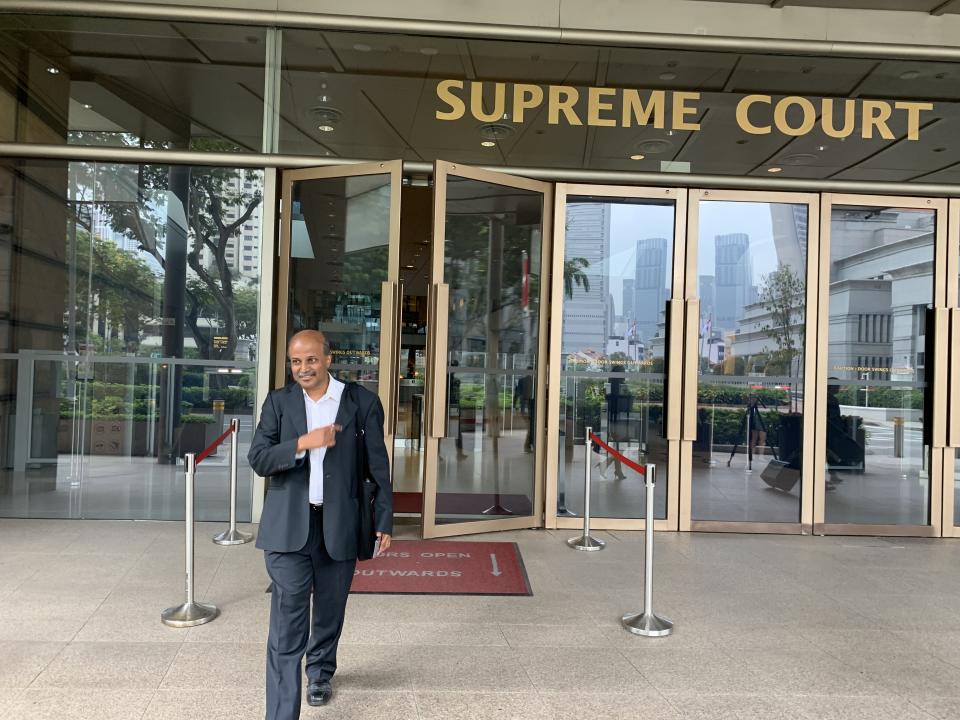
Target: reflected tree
[782, 296]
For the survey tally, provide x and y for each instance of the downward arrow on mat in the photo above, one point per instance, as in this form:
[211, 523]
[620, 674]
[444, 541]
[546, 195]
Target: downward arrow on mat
[496, 568]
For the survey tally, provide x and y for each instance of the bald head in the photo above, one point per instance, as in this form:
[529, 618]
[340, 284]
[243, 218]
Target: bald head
[310, 358]
[310, 337]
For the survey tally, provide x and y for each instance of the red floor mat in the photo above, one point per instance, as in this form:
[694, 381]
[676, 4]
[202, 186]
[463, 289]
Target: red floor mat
[436, 567]
[461, 503]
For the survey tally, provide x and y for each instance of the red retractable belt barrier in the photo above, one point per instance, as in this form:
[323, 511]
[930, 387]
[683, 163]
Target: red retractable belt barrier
[213, 446]
[620, 456]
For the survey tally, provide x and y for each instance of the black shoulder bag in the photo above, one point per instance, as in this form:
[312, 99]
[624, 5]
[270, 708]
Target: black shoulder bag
[366, 529]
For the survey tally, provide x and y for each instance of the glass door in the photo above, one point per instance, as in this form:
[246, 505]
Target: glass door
[486, 347]
[339, 272]
[619, 272]
[881, 386]
[748, 352]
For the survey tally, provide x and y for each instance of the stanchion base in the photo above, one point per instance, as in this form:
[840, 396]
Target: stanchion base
[497, 509]
[232, 537]
[587, 543]
[189, 614]
[648, 625]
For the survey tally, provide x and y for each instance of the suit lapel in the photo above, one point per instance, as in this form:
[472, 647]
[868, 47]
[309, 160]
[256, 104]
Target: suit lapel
[348, 408]
[297, 409]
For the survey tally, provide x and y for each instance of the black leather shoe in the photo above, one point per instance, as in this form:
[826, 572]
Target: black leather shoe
[319, 693]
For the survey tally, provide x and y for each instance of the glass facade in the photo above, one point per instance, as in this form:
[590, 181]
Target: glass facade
[617, 278]
[751, 271]
[881, 288]
[130, 322]
[131, 83]
[129, 335]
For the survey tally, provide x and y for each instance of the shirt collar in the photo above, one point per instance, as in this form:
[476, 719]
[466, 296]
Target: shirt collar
[334, 392]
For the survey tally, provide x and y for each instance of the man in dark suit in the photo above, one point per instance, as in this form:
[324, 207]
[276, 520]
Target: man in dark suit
[306, 443]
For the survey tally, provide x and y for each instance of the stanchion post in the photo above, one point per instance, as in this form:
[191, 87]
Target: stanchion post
[233, 536]
[586, 542]
[646, 623]
[190, 613]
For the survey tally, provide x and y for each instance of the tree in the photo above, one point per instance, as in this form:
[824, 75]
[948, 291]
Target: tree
[116, 288]
[219, 203]
[573, 274]
[782, 296]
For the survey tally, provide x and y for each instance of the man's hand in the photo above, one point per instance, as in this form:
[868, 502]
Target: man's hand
[321, 437]
[384, 542]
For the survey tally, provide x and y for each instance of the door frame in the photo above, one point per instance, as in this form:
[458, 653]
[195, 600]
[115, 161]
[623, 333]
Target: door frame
[941, 266]
[679, 197]
[691, 351]
[949, 527]
[435, 409]
[389, 303]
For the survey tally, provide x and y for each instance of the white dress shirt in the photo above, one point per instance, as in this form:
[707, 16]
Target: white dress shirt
[319, 413]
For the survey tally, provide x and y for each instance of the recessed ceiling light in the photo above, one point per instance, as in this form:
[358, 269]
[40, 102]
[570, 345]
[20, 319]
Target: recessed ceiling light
[429, 51]
[488, 143]
[939, 149]
[53, 71]
[638, 156]
[670, 133]
[325, 128]
[668, 76]
[910, 75]
[774, 169]
[821, 148]
[87, 106]
[361, 47]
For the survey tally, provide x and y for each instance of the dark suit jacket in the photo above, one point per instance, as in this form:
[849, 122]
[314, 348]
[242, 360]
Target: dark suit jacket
[285, 521]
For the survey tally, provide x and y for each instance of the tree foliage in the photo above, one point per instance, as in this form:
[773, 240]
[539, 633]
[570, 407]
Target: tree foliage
[218, 205]
[782, 295]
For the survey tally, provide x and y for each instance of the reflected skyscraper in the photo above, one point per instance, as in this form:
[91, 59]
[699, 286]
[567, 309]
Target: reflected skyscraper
[650, 290]
[587, 321]
[734, 279]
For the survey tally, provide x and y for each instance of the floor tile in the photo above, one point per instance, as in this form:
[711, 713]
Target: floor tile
[80, 704]
[596, 670]
[479, 633]
[466, 668]
[629, 704]
[108, 665]
[456, 705]
[217, 666]
[208, 704]
[22, 661]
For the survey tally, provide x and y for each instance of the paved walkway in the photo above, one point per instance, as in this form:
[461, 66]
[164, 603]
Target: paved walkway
[768, 627]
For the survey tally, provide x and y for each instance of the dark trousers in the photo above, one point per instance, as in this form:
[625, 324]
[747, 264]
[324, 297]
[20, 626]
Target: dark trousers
[291, 632]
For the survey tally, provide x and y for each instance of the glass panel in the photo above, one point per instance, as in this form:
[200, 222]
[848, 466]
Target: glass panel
[131, 83]
[617, 271]
[881, 285]
[492, 263]
[747, 458]
[339, 255]
[415, 243]
[129, 317]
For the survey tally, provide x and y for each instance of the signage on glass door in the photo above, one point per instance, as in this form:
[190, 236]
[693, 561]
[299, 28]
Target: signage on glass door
[756, 114]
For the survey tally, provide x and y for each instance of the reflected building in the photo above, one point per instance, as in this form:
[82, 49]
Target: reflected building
[587, 325]
[790, 226]
[650, 290]
[733, 282]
